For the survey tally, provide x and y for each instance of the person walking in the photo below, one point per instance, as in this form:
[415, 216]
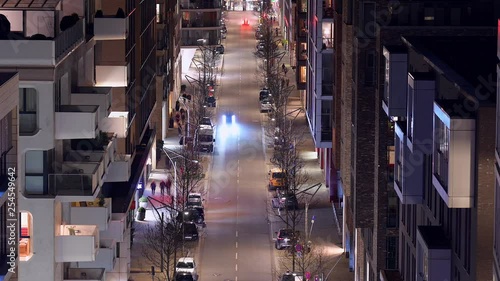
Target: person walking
[168, 185]
[153, 187]
[283, 67]
[162, 188]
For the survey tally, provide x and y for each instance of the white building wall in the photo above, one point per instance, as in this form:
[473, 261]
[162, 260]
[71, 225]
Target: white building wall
[40, 265]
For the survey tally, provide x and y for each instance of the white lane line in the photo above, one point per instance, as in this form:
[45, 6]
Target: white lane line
[236, 256]
[238, 181]
[236, 244]
[236, 233]
[236, 278]
[236, 267]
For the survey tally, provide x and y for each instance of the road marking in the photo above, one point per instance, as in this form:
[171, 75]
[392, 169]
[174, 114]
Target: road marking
[236, 278]
[238, 181]
[236, 233]
[236, 267]
[236, 256]
[236, 244]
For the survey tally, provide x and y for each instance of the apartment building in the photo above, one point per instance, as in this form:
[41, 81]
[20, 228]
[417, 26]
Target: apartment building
[201, 20]
[9, 102]
[319, 77]
[364, 131]
[86, 92]
[169, 63]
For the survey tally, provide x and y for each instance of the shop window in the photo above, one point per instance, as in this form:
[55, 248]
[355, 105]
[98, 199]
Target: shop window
[26, 225]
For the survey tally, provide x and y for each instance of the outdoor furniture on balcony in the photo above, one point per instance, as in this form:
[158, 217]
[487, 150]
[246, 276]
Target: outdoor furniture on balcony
[97, 212]
[77, 243]
[19, 50]
[85, 274]
[106, 257]
[76, 180]
[110, 28]
[76, 122]
[94, 96]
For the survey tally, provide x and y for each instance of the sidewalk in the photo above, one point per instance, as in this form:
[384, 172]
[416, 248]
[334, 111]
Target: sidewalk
[326, 230]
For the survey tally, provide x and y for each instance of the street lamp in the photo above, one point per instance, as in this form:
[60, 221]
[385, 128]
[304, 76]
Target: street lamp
[174, 164]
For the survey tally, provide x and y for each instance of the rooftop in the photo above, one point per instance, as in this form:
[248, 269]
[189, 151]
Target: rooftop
[467, 61]
[6, 76]
[29, 4]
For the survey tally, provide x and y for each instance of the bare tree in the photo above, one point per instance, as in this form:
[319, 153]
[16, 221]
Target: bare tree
[313, 260]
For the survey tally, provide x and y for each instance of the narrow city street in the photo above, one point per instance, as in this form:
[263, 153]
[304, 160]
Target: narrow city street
[237, 243]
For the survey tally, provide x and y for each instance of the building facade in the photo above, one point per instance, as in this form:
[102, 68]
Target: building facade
[9, 102]
[496, 235]
[86, 90]
[201, 22]
[364, 131]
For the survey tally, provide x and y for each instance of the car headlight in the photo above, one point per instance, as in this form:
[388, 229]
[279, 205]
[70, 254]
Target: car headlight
[233, 119]
[224, 119]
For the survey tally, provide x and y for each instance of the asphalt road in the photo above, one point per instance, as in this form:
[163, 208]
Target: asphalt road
[237, 242]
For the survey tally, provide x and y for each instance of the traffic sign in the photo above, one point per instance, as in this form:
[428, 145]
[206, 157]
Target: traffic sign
[308, 275]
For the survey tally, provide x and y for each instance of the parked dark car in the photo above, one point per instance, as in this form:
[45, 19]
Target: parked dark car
[220, 49]
[286, 201]
[192, 214]
[189, 231]
[285, 238]
[210, 101]
[264, 94]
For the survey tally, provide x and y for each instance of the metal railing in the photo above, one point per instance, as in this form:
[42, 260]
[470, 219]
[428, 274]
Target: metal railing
[67, 39]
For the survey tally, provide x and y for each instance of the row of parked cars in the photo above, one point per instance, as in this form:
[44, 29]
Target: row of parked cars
[191, 219]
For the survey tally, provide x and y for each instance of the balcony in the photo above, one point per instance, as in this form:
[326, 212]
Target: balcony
[409, 169]
[327, 12]
[454, 156]
[198, 24]
[9, 93]
[76, 122]
[85, 274]
[420, 100]
[92, 213]
[110, 28]
[116, 123]
[111, 74]
[106, 257]
[94, 96]
[120, 169]
[77, 243]
[199, 5]
[433, 254]
[24, 51]
[116, 228]
[76, 181]
[395, 87]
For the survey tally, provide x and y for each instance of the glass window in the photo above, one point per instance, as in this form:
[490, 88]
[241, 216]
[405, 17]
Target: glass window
[303, 73]
[34, 172]
[28, 104]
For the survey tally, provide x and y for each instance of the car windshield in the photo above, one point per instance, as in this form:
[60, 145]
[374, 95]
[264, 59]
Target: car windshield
[185, 265]
[288, 278]
[211, 99]
[205, 121]
[285, 233]
[205, 138]
[279, 175]
[184, 278]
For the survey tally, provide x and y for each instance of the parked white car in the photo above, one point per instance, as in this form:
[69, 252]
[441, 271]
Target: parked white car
[187, 265]
[266, 105]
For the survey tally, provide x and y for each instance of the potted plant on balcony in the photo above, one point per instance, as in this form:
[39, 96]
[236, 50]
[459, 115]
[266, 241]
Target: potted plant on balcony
[143, 202]
[141, 214]
[102, 200]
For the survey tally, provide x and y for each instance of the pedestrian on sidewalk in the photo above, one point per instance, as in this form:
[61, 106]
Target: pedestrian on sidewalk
[277, 30]
[283, 67]
[285, 70]
[168, 185]
[179, 128]
[162, 187]
[153, 187]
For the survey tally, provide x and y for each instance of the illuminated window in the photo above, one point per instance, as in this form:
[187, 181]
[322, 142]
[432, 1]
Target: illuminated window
[303, 74]
[26, 224]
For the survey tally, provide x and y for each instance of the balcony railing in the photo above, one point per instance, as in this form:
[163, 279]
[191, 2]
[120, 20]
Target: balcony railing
[111, 74]
[189, 5]
[19, 50]
[199, 24]
[120, 169]
[110, 28]
[76, 122]
[94, 96]
[106, 257]
[117, 228]
[87, 274]
[76, 179]
[77, 243]
[97, 212]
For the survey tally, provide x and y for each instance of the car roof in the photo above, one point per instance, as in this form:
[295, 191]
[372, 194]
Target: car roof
[186, 259]
[194, 194]
[276, 170]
